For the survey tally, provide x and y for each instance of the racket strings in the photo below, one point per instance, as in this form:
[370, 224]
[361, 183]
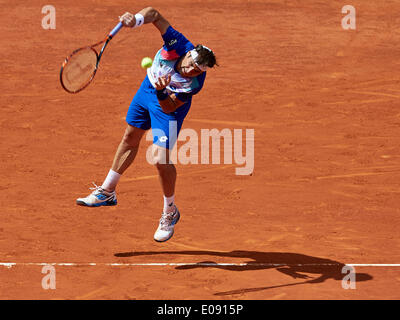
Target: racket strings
[79, 69]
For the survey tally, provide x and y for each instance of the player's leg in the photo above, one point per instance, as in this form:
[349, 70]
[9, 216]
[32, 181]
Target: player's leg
[167, 173]
[124, 156]
[127, 150]
[165, 128]
[167, 176]
[138, 120]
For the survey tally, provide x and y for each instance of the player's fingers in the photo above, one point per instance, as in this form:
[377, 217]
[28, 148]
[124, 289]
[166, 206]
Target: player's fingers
[127, 19]
[167, 80]
[123, 20]
[160, 81]
[158, 84]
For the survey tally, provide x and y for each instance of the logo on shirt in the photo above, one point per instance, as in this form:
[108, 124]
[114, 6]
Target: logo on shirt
[172, 42]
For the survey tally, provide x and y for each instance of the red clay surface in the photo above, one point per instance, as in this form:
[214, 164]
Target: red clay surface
[324, 103]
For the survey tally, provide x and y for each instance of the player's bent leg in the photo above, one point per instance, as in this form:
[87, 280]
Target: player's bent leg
[126, 153]
[127, 149]
[170, 215]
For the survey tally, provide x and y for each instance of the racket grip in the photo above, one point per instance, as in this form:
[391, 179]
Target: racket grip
[116, 29]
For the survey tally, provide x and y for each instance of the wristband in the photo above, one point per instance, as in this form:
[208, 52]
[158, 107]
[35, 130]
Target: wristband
[162, 94]
[139, 20]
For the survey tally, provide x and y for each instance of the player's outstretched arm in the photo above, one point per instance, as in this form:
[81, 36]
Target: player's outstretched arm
[150, 15]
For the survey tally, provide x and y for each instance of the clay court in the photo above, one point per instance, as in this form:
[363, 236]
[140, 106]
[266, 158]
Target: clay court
[324, 106]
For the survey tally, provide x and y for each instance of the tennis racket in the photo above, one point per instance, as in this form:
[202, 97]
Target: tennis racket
[80, 67]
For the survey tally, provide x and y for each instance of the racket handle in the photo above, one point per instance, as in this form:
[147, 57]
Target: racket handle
[116, 29]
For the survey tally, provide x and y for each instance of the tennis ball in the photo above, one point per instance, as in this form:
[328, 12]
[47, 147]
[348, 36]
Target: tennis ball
[146, 62]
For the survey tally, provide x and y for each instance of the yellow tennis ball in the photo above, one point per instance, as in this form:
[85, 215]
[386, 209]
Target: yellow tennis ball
[146, 62]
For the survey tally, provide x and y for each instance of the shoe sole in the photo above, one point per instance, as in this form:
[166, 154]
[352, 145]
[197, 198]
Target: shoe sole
[165, 239]
[179, 216]
[84, 204]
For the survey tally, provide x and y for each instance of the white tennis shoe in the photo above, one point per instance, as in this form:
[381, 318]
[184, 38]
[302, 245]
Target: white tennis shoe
[167, 224]
[99, 197]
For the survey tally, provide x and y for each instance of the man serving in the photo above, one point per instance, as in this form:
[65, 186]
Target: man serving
[161, 103]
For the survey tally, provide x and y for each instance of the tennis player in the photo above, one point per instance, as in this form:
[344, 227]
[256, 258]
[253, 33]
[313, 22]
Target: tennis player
[161, 103]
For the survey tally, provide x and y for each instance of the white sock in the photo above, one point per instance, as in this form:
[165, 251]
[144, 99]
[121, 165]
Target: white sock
[169, 203]
[111, 180]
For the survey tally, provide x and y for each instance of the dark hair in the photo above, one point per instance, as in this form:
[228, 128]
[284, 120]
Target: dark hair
[206, 56]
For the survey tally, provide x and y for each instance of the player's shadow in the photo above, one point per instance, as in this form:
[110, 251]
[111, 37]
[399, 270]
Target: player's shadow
[295, 265]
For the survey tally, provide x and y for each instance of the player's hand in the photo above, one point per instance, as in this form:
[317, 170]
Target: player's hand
[163, 82]
[128, 19]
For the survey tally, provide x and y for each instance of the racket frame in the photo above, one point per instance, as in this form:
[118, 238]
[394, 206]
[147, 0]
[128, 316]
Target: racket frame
[98, 56]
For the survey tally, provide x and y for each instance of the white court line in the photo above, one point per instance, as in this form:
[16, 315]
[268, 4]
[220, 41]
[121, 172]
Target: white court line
[204, 264]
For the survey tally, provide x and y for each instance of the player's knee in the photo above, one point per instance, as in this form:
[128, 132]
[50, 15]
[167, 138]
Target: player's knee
[165, 168]
[161, 167]
[160, 157]
[132, 136]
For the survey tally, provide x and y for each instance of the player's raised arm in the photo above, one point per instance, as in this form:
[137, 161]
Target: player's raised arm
[144, 16]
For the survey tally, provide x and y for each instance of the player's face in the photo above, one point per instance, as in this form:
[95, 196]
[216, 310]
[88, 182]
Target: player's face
[188, 67]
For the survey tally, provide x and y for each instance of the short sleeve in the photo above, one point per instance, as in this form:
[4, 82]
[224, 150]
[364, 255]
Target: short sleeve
[175, 44]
